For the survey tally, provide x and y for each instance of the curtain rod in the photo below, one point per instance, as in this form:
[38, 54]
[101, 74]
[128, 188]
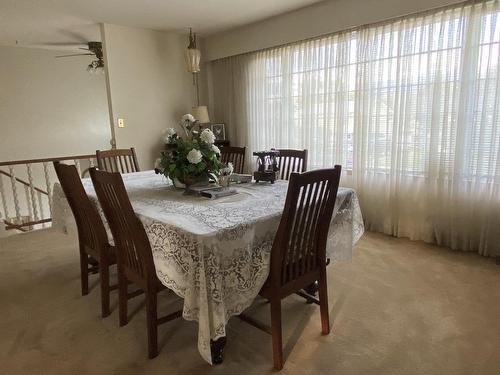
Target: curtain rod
[366, 25]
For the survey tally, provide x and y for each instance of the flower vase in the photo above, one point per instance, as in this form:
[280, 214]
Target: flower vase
[178, 184]
[190, 181]
[224, 181]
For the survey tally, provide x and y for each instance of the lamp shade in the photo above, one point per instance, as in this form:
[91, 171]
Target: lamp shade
[201, 114]
[193, 56]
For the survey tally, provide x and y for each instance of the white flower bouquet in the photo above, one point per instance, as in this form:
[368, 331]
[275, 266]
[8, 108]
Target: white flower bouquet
[192, 159]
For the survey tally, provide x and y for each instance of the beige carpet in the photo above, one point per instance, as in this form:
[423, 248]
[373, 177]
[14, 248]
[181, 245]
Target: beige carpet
[400, 307]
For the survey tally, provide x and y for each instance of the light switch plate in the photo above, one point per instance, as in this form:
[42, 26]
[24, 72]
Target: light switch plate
[121, 123]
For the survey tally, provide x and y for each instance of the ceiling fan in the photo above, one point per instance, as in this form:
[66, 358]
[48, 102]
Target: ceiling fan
[93, 49]
[86, 49]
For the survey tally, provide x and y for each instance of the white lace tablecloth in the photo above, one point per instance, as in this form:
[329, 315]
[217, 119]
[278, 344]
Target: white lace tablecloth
[215, 254]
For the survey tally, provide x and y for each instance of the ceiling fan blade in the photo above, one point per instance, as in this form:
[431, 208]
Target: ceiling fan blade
[77, 54]
[71, 35]
[55, 46]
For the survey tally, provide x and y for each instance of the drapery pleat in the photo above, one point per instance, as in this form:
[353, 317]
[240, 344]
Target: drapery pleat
[410, 108]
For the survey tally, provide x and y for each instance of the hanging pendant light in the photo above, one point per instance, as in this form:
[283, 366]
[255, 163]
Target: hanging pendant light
[193, 54]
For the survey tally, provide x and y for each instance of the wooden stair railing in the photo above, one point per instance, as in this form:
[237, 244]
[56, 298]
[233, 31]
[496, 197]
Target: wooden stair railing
[33, 208]
[23, 182]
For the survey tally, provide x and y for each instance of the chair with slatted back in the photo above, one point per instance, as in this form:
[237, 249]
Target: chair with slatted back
[298, 255]
[291, 161]
[234, 155]
[92, 237]
[135, 257]
[117, 160]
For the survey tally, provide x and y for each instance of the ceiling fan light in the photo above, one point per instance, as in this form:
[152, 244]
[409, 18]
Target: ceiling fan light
[96, 66]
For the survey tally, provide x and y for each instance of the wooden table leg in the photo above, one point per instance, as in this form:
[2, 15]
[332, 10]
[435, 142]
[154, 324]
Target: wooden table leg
[217, 348]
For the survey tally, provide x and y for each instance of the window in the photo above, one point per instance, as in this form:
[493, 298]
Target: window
[411, 107]
[417, 96]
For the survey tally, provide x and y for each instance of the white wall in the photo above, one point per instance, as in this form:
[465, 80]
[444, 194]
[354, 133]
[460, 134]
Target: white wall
[149, 86]
[52, 107]
[49, 107]
[322, 18]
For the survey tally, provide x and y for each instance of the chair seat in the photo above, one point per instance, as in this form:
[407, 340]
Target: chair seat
[292, 287]
[111, 253]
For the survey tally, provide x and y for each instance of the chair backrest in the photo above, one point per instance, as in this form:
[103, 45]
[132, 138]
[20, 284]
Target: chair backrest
[235, 155]
[91, 231]
[300, 243]
[291, 161]
[133, 248]
[117, 160]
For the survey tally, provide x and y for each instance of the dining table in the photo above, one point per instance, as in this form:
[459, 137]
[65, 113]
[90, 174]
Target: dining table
[215, 253]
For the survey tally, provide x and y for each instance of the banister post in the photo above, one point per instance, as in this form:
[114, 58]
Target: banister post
[77, 165]
[14, 194]
[32, 192]
[47, 184]
[4, 200]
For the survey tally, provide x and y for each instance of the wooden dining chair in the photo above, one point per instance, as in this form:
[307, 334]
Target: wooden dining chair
[234, 155]
[291, 161]
[92, 238]
[117, 160]
[135, 257]
[298, 255]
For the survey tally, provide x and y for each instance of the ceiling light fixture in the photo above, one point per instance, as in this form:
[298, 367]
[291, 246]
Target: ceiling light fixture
[193, 56]
[96, 67]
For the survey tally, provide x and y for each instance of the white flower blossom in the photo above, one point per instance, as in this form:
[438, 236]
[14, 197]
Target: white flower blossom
[188, 117]
[207, 136]
[216, 149]
[168, 134]
[194, 156]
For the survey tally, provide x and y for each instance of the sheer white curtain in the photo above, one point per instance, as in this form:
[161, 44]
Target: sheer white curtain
[410, 108]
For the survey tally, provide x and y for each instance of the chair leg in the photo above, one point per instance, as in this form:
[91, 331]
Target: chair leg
[122, 297]
[276, 333]
[84, 272]
[323, 304]
[104, 279]
[151, 311]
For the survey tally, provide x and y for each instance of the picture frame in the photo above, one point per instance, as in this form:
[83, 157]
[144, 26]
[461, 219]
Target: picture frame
[219, 130]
